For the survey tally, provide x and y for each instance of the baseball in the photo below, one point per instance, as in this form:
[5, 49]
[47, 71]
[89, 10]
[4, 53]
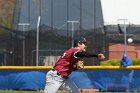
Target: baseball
[130, 40]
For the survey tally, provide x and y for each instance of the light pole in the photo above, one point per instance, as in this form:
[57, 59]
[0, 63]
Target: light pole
[124, 29]
[72, 31]
[37, 41]
[23, 42]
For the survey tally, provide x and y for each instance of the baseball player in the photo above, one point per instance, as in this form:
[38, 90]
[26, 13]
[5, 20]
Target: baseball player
[68, 62]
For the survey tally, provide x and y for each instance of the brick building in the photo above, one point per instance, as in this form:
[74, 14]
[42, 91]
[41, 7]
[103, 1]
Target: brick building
[117, 50]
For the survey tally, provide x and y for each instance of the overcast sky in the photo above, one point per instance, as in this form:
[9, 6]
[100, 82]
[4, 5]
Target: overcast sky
[121, 9]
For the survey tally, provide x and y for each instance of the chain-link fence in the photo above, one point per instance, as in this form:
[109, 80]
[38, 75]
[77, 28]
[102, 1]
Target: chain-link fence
[18, 33]
[56, 32]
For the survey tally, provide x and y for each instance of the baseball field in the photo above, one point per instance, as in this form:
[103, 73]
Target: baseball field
[11, 91]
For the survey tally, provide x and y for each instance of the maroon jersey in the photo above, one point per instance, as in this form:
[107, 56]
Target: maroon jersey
[65, 65]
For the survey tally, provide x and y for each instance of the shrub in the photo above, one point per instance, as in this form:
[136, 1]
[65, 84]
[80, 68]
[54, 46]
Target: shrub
[116, 62]
[136, 61]
[112, 62]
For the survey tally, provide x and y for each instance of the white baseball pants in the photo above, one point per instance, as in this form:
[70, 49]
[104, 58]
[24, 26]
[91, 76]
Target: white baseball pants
[54, 82]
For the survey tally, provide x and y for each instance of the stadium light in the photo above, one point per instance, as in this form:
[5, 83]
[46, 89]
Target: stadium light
[124, 29]
[72, 31]
[23, 42]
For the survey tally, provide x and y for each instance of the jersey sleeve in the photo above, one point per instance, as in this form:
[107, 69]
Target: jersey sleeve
[85, 54]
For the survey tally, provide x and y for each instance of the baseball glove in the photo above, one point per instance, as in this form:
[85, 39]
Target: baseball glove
[80, 64]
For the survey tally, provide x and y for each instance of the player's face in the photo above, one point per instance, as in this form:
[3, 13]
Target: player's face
[83, 46]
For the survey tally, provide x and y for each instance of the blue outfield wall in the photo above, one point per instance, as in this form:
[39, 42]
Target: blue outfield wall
[101, 78]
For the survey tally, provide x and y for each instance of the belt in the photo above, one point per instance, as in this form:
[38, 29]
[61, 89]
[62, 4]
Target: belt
[60, 74]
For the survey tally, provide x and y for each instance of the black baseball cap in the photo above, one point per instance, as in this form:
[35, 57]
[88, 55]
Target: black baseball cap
[79, 40]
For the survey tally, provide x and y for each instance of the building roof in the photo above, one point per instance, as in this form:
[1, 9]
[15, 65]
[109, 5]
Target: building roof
[113, 33]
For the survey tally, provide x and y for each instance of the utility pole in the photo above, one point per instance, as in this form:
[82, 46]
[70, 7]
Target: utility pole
[124, 29]
[72, 31]
[23, 42]
[37, 42]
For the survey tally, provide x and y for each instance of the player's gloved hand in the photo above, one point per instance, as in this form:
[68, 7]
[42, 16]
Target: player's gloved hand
[101, 56]
[80, 64]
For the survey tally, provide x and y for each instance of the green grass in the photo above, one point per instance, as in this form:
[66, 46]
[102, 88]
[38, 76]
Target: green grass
[11, 91]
